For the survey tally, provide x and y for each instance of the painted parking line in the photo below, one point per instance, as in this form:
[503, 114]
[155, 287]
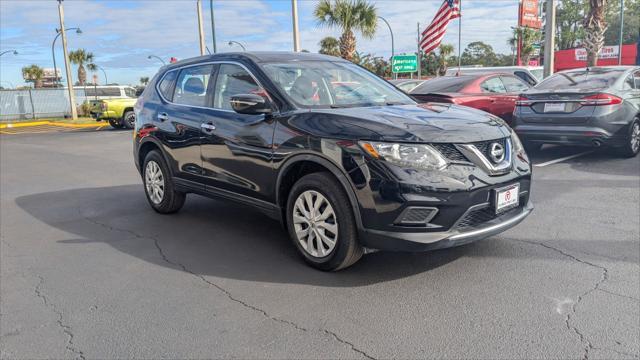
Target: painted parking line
[555, 161]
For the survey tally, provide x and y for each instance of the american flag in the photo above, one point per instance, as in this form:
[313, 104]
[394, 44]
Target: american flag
[433, 34]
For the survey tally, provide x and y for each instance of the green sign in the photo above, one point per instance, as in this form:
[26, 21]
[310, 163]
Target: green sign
[404, 63]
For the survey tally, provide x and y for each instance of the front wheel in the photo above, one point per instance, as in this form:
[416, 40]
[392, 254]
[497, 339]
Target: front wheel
[632, 143]
[129, 119]
[321, 223]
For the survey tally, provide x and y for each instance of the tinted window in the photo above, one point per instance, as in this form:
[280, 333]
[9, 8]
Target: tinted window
[232, 80]
[166, 85]
[493, 85]
[581, 79]
[93, 91]
[526, 77]
[130, 92]
[636, 79]
[191, 87]
[513, 84]
[445, 84]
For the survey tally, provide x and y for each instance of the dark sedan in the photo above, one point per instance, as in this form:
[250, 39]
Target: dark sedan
[493, 93]
[598, 106]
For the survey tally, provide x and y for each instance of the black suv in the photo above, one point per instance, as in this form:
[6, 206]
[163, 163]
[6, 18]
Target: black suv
[347, 162]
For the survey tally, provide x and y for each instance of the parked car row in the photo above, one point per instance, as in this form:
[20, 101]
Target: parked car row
[596, 106]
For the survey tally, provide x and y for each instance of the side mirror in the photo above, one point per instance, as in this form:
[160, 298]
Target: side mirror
[250, 104]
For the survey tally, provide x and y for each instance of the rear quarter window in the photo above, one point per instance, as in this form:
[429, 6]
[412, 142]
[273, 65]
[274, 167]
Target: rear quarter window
[166, 84]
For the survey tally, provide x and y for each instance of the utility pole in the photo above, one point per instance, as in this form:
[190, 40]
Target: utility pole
[213, 28]
[621, 31]
[67, 65]
[419, 55]
[296, 34]
[200, 27]
[549, 38]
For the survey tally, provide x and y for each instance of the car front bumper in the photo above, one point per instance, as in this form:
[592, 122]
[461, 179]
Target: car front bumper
[425, 241]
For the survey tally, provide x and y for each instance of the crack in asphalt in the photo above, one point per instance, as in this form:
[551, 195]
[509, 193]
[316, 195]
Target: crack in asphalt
[619, 295]
[226, 292]
[70, 346]
[588, 345]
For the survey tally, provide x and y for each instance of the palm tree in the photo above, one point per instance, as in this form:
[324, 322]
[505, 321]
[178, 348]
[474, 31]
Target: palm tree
[595, 25]
[81, 57]
[329, 46]
[445, 52]
[529, 38]
[144, 80]
[33, 74]
[348, 16]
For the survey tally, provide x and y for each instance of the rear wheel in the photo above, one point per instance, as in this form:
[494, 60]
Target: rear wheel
[129, 119]
[116, 123]
[158, 185]
[321, 223]
[632, 143]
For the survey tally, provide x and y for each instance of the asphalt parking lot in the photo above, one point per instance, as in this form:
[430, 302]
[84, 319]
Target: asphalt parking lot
[88, 270]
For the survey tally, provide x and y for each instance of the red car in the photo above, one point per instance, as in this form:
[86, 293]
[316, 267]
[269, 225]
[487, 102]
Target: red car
[493, 93]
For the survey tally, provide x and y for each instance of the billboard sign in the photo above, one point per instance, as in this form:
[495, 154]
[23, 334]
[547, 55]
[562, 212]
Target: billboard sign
[529, 14]
[607, 52]
[404, 63]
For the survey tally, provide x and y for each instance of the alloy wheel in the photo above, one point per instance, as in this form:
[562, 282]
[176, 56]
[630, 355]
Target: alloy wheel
[315, 224]
[154, 181]
[130, 119]
[635, 137]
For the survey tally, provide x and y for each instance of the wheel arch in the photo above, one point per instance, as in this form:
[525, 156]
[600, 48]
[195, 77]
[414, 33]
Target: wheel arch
[146, 146]
[303, 164]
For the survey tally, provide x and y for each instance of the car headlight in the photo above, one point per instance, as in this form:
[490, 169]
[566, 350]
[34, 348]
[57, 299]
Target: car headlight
[518, 149]
[406, 155]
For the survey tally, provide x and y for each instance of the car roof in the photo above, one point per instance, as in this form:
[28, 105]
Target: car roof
[257, 56]
[604, 68]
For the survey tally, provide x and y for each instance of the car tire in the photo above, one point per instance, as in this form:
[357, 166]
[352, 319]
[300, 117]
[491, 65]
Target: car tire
[632, 141]
[330, 200]
[159, 186]
[129, 119]
[116, 123]
[531, 147]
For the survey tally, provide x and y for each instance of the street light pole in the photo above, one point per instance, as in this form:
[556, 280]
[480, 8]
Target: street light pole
[391, 31]
[213, 28]
[296, 35]
[53, 51]
[8, 51]
[549, 38]
[621, 31]
[106, 82]
[157, 57]
[237, 43]
[67, 65]
[200, 27]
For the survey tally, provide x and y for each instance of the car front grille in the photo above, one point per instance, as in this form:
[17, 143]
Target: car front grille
[481, 216]
[450, 152]
[485, 146]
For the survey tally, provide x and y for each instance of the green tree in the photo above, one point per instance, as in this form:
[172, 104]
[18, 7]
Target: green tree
[144, 80]
[569, 28]
[479, 53]
[529, 37]
[348, 16]
[33, 74]
[329, 46]
[595, 25]
[445, 52]
[631, 22]
[81, 57]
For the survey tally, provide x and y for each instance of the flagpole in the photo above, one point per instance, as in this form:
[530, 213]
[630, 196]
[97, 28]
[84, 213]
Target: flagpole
[459, 36]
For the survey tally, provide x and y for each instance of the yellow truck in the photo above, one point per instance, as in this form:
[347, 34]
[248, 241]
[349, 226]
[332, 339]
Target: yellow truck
[118, 112]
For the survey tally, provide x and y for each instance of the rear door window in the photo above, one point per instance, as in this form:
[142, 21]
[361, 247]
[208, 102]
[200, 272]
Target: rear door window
[493, 85]
[514, 84]
[191, 86]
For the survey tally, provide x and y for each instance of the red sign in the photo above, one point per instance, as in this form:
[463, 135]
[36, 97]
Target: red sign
[528, 16]
[574, 58]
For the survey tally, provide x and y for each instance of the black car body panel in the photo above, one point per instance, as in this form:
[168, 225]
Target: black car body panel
[250, 158]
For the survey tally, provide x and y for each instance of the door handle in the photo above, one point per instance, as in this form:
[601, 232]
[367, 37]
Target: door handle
[207, 127]
[163, 117]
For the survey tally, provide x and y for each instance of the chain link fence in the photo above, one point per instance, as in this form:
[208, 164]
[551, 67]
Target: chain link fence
[31, 104]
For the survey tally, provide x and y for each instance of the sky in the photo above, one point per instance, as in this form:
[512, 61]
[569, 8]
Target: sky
[122, 33]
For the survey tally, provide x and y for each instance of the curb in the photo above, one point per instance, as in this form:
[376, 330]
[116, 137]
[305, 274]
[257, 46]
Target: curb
[40, 123]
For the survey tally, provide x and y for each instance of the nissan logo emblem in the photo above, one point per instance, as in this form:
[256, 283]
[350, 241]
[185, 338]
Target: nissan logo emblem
[496, 152]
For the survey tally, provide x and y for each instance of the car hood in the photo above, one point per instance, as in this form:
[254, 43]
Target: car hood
[429, 122]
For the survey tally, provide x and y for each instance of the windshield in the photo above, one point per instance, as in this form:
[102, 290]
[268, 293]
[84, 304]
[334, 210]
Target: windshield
[443, 84]
[328, 84]
[581, 79]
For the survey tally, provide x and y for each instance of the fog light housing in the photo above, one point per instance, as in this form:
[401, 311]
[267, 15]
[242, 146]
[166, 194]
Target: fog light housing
[416, 216]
